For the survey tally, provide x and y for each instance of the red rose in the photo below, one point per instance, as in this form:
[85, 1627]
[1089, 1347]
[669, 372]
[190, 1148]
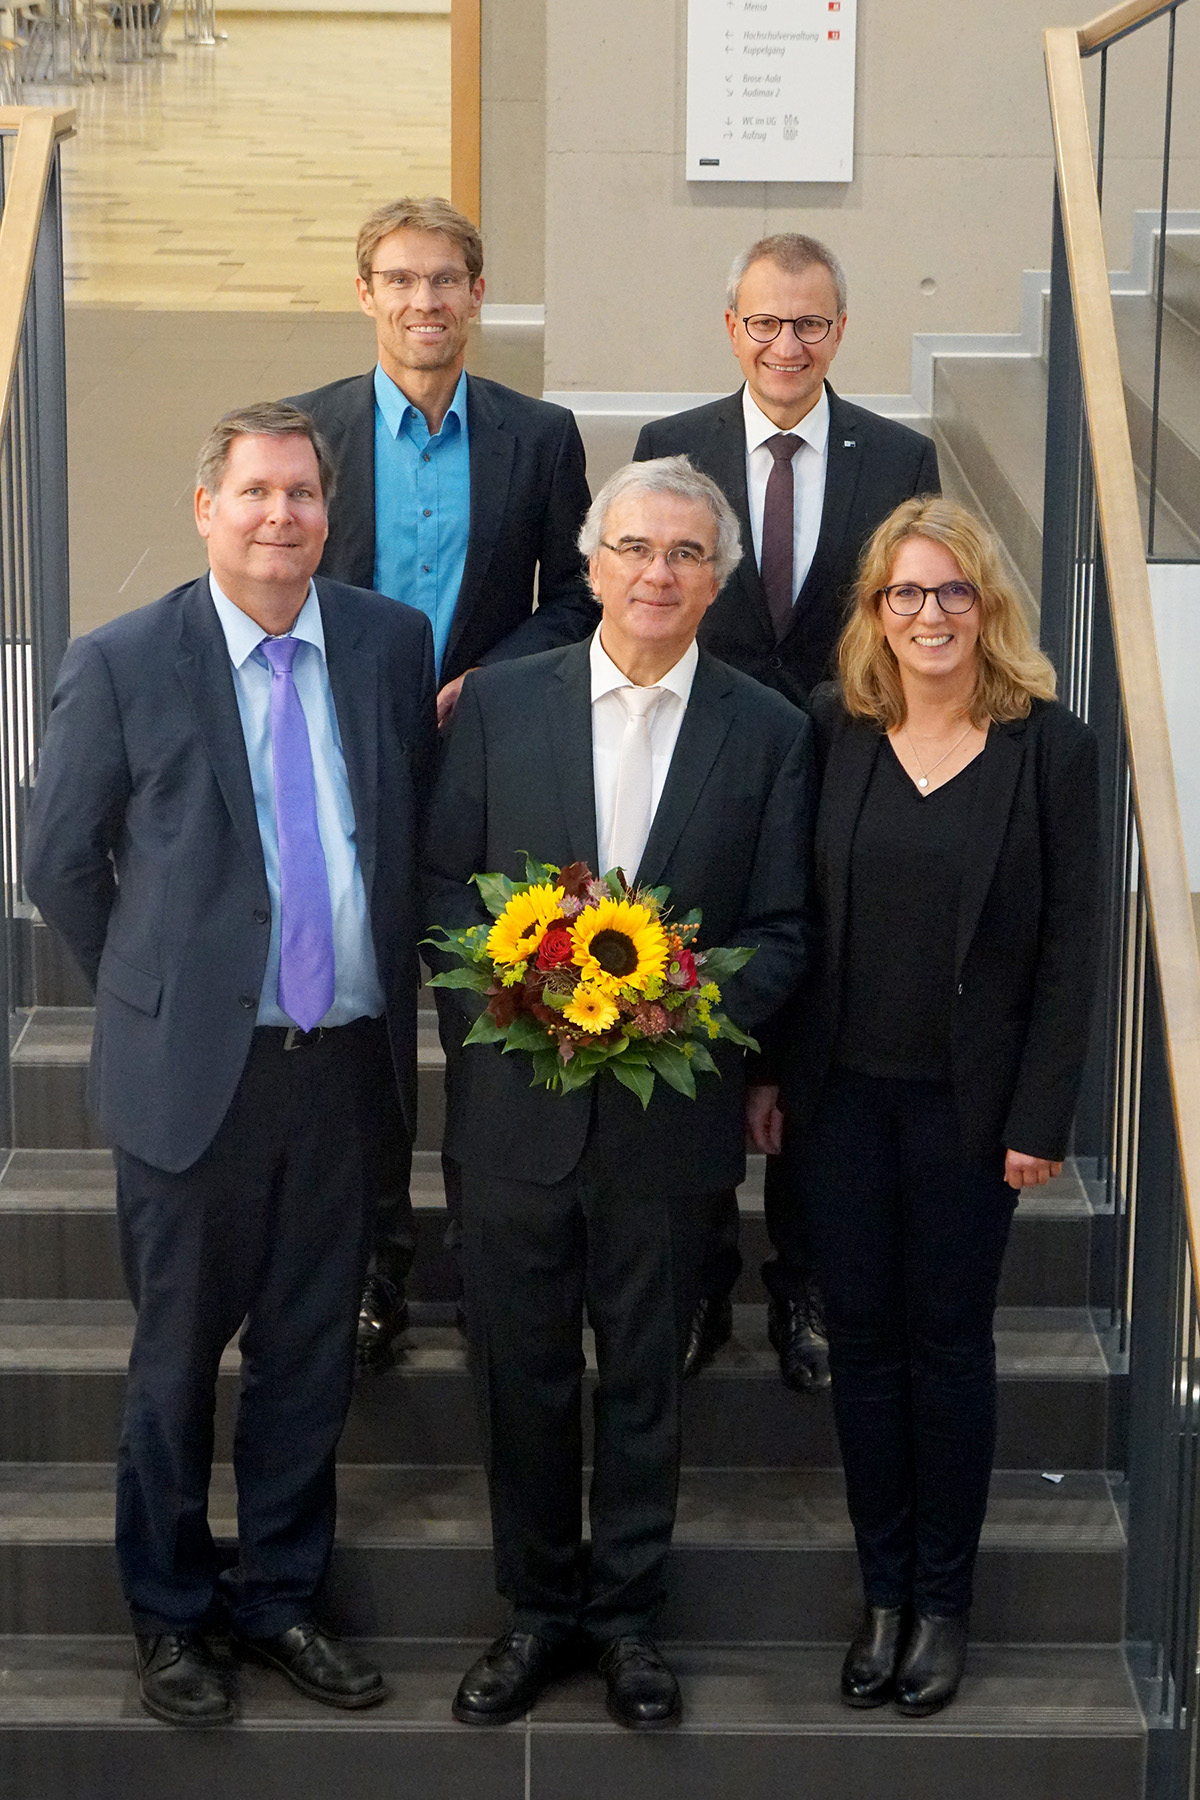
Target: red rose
[555, 948]
[687, 976]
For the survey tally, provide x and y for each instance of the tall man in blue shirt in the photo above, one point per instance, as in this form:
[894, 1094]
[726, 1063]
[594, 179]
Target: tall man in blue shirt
[224, 831]
[463, 498]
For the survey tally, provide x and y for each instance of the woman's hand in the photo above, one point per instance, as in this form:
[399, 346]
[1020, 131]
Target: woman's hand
[1021, 1171]
[764, 1121]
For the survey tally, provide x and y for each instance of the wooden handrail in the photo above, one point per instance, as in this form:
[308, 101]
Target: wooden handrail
[1116, 22]
[1163, 857]
[39, 129]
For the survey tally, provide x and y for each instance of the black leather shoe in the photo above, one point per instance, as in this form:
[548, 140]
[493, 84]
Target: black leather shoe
[932, 1665]
[869, 1671]
[797, 1334]
[642, 1692]
[180, 1681]
[320, 1665]
[712, 1326]
[508, 1678]
[382, 1316]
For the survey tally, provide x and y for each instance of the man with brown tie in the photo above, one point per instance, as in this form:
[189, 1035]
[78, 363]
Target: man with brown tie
[810, 477]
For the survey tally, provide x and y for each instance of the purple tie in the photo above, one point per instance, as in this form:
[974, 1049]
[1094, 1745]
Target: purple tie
[306, 917]
[779, 531]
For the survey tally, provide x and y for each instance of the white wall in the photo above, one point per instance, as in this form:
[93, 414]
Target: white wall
[1175, 589]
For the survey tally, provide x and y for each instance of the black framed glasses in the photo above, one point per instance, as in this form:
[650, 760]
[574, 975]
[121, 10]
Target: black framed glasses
[907, 598]
[764, 328]
[636, 554]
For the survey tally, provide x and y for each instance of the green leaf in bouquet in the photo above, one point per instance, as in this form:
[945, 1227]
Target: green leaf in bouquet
[700, 1060]
[669, 1061]
[734, 1034]
[636, 1077]
[614, 884]
[466, 976]
[659, 895]
[552, 997]
[576, 1073]
[694, 917]
[484, 1031]
[719, 965]
[495, 891]
[525, 1034]
[547, 1067]
[539, 874]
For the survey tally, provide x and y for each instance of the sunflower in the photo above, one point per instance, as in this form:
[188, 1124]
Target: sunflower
[591, 1009]
[619, 944]
[521, 926]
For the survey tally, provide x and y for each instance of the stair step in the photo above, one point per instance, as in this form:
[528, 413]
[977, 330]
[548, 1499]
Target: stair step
[58, 1236]
[49, 1080]
[1181, 286]
[62, 1378]
[763, 1555]
[758, 1722]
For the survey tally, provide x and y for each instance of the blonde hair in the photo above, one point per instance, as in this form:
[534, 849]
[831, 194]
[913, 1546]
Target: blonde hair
[1013, 672]
[431, 214]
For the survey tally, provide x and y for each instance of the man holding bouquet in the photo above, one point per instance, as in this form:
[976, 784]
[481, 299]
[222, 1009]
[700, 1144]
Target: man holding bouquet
[636, 751]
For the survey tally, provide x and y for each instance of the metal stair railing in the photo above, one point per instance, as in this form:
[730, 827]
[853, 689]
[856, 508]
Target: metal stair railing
[1138, 1129]
[34, 595]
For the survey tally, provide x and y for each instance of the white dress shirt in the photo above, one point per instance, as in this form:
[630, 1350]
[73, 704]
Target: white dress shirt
[608, 728]
[357, 989]
[808, 476]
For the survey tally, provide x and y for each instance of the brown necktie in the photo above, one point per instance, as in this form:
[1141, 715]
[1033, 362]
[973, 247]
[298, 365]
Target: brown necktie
[778, 531]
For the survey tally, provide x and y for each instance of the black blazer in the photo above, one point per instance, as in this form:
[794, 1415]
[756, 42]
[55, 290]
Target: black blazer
[732, 834]
[143, 848]
[529, 494]
[874, 464]
[1028, 937]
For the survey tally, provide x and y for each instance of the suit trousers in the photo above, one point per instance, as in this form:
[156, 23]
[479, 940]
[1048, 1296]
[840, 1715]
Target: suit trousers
[909, 1237]
[268, 1231]
[786, 1273]
[534, 1258]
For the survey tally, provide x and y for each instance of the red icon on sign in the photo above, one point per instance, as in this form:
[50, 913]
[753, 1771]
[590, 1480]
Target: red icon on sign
[835, 35]
[835, 5]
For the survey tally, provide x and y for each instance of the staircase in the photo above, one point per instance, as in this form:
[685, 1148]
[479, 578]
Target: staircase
[989, 411]
[763, 1577]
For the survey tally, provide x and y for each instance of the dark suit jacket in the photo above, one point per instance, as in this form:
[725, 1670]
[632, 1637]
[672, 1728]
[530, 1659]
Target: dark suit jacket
[874, 464]
[143, 848]
[1028, 936]
[732, 834]
[529, 494]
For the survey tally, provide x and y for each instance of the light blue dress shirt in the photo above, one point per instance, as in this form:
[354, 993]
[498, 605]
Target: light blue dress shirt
[357, 991]
[422, 504]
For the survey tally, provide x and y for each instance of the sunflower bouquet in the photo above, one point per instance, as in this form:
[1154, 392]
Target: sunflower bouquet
[588, 975]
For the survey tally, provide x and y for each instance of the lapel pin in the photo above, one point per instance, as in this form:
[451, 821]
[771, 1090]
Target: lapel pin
[849, 443]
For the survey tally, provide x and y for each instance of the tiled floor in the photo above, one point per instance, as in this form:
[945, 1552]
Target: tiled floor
[236, 177]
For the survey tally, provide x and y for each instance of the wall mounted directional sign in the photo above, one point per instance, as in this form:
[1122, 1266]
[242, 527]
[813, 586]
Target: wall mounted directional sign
[770, 90]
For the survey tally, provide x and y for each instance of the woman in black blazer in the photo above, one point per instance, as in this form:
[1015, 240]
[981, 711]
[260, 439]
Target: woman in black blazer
[931, 1069]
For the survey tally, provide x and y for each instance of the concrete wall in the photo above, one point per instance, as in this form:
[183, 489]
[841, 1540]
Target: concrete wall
[513, 149]
[950, 202]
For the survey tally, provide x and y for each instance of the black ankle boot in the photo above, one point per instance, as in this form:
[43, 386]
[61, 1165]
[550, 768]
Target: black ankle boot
[869, 1671]
[932, 1665]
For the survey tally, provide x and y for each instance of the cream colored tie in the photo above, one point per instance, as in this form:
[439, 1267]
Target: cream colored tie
[635, 781]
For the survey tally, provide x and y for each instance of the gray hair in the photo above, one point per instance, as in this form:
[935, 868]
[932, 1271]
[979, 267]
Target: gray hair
[792, 252]
[678, 476]
[266, 418]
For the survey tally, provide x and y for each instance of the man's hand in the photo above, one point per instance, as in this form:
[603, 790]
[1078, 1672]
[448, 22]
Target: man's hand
[447, 698]
[764, 1121]
[1021, 1171]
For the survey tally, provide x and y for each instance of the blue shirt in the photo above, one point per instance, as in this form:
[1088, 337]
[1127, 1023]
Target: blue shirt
[357, 991]
[422, 504]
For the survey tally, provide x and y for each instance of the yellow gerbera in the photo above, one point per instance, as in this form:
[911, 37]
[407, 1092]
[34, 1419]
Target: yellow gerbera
[619, 944]
[521, 926]
[591, 1008]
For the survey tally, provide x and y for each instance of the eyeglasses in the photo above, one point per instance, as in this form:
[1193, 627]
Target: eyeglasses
[907, 599]
[764, 328]
[405, 281]
[636, 554]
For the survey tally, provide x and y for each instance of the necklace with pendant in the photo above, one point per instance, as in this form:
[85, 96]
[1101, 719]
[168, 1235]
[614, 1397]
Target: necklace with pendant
[927, 772]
